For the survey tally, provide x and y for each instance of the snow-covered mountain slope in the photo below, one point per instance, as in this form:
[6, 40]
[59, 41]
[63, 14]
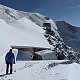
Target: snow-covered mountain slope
[23, 29]
[42, 70]
[9, 14]
[70, 34]
[22, 32]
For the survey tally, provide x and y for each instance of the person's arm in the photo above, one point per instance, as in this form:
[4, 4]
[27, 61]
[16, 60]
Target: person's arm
[13, 58]
[6, 58]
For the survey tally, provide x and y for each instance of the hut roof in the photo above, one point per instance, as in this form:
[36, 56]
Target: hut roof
[18, 47]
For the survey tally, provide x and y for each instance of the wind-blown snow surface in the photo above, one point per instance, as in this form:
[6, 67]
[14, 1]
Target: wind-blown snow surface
[21, 32]
[42, 70]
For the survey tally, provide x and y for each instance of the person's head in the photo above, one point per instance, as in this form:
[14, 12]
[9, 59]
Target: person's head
[10, 50]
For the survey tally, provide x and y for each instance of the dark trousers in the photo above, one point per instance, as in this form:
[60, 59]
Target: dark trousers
[9, 64]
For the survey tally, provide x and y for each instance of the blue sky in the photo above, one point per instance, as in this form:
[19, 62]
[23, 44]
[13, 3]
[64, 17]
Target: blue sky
[68, 10]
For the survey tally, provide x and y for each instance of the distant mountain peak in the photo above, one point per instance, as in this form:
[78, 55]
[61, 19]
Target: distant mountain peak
[67, 26]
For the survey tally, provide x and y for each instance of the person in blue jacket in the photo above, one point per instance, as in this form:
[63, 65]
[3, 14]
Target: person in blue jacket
[10, 60]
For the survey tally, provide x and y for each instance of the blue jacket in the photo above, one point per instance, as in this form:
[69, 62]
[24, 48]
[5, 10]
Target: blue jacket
[10, 57]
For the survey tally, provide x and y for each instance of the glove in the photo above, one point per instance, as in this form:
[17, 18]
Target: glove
[13, 62]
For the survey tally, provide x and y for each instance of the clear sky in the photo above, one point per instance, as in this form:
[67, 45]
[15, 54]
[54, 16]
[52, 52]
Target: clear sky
[68, 10]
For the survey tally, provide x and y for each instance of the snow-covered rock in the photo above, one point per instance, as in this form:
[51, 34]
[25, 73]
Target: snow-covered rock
[47, 54]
